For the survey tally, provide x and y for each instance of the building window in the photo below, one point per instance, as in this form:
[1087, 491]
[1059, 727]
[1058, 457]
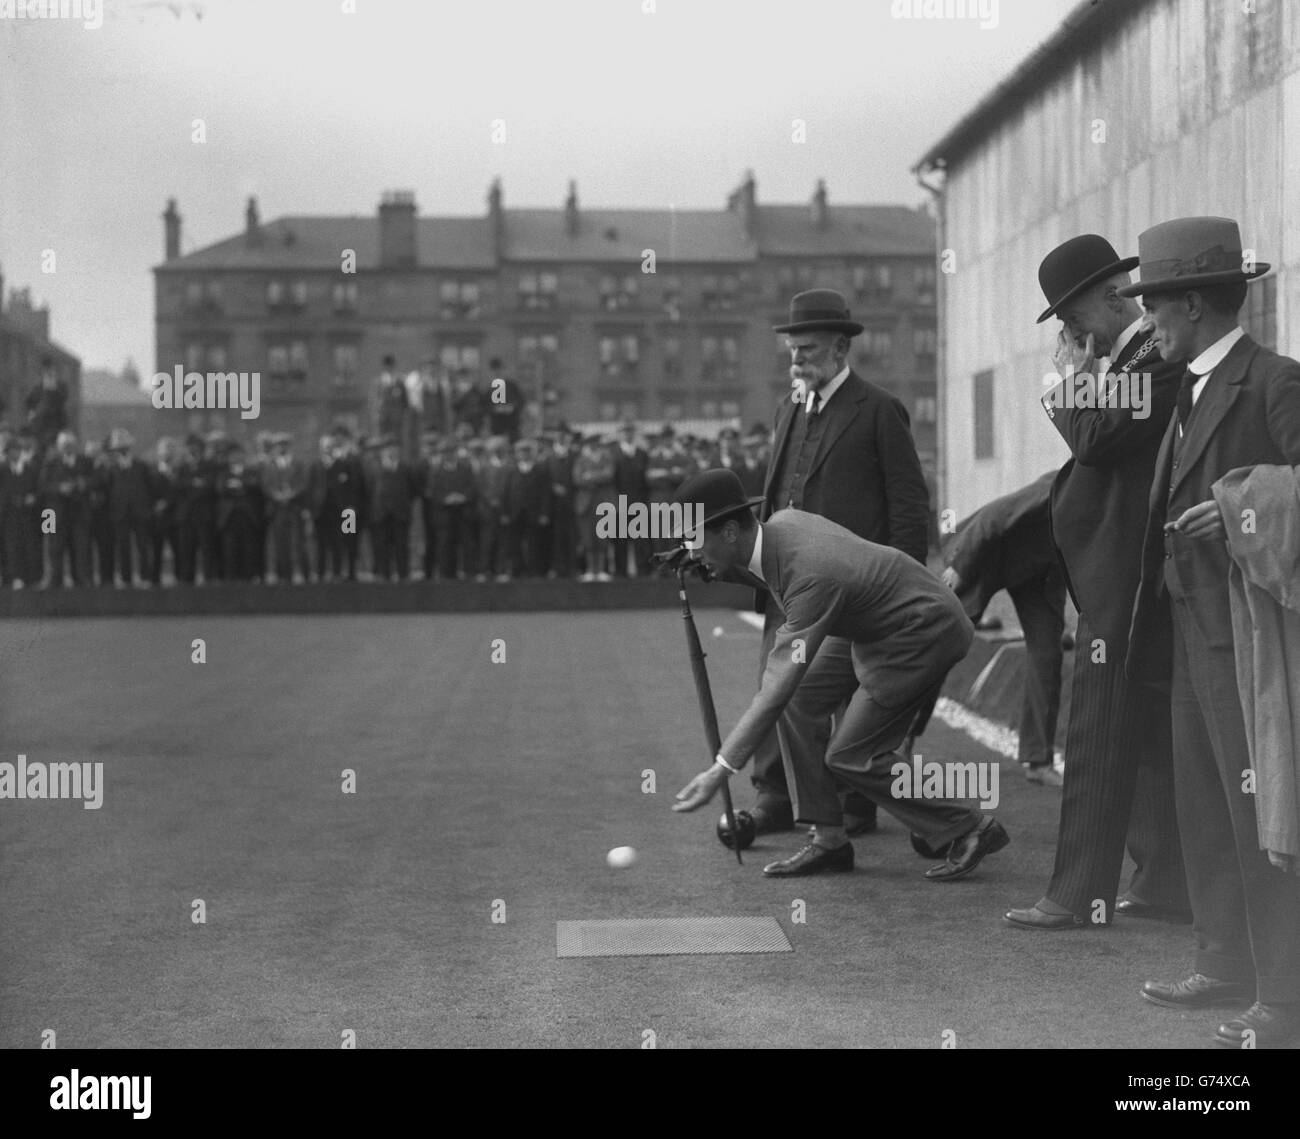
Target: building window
[1259, 314]
[709, 409]
[298, 359]
[873, 279]
[672, 411]
[346, 364]
[217, 358]
[277, 361]
[298, 293]
[345, 296]
[718, 358]
[877, 345]
[194, 357]
[537, 352]
[619, 355]
[616, 295]
[459, 300]
[608, 411]
[672, 352]
[274, 293]
[925, 409]
[924, 343]
[630, 410]
[730, 409]
[925, 284]
[673, 298]
[538, 290]
[194, 294]
[456, 358]
[214, 293]
[983, 419]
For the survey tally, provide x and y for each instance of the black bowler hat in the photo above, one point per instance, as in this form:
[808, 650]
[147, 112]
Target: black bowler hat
[820, 310]
[1076, 265]
[718, 494]
[1189, 252]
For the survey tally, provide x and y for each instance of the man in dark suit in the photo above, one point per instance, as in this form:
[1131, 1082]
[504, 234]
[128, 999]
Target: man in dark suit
[131, 504]
[631, 478]
[196, 515]
[528, 505]
[1007, 544]
[20, 521]
[453, 495]
[1118, 779]
[65, 486]
[1118, 773]
[862, 624]
[1238, 405]
[391, 499]
[843, 449]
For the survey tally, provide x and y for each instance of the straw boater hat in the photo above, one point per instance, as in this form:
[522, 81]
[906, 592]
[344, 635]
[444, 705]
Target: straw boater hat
[1189, 252]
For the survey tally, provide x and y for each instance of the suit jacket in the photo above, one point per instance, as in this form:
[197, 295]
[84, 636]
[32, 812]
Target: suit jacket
[1098, 511]
[906, 626]
[391, 493]
[1248, 414]
[528, 495]
[67, 486]
[130, 492]
[866, 474]
[286, 487]
[1005, 543]
[631, 473]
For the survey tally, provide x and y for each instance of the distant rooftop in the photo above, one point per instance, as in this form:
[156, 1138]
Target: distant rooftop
[573, 234]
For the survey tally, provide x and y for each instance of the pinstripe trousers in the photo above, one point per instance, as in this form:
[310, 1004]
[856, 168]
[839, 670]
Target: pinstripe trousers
[1118, 784]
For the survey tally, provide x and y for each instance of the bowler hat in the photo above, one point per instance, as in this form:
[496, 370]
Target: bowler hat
[1076, 265]
[1187, 252]
[718, 493]
[820, 310]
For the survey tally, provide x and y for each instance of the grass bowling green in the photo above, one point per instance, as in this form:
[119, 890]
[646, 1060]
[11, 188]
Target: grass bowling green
[494, 760]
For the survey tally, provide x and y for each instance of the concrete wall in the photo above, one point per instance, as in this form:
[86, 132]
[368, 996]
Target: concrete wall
[1196, 104]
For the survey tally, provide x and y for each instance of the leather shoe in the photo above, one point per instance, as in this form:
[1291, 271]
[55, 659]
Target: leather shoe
[1272, 1026]
[967, 852]
[1044, 774]
[812, 859]
[1133, 908]
[773, 818]
[1197, 991]
[1034, 918]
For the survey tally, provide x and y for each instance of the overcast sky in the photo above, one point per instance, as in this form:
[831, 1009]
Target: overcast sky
[317, 112]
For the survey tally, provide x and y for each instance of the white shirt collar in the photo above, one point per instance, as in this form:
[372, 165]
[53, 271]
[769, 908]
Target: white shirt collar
[756, 560]
[1121, 342]
[831, 388]
[1213, 356]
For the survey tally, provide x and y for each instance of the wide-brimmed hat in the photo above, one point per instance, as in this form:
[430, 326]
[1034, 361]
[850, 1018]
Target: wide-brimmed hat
[718, 493]
[1187, 252]
[820, 310]
[1076, 265]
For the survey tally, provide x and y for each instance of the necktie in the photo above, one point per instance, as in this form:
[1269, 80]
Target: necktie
[1184, 400]
[813, 400]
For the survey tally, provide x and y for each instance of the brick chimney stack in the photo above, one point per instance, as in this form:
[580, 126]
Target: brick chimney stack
[497, 217]
[397, 230]
[252, 223]
[819, 210]
[744, 202]
[171, 230]
[571, 210]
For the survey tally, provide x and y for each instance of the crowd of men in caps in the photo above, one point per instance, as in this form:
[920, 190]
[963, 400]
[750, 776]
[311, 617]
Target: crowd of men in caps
[473, 501]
